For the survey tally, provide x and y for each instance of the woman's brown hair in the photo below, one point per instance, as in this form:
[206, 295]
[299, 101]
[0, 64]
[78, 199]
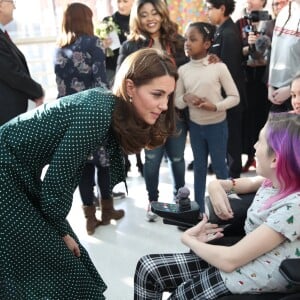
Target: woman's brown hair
[77, 21]
[133, 133]
[168, 31]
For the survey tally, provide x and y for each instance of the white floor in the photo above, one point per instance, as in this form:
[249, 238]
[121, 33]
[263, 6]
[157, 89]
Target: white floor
[116, 248]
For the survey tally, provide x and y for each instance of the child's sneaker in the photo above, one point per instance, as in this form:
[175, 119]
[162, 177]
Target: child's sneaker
[150, 216]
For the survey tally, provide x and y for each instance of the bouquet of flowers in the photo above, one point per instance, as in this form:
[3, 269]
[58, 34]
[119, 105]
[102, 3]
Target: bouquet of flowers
[108, 29]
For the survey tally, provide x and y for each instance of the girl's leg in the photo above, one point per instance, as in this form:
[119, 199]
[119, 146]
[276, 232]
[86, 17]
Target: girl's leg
[200, 153]
[176, 273]
[151, 171]
[175, 151]
[217, 136]
[207, 284]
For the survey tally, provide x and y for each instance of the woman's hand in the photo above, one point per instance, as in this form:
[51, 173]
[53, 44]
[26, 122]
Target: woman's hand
[280, 95]
[203, 232]
[106, 43]
[213, 58]
[72, 245]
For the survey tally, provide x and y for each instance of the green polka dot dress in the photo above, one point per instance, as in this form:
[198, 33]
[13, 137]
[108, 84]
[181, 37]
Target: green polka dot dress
[34, 261]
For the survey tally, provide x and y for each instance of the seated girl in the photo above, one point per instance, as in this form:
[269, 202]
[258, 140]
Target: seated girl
[272, 229]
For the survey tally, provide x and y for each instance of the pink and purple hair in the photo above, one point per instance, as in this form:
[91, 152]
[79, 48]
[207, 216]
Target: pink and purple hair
[283, 138]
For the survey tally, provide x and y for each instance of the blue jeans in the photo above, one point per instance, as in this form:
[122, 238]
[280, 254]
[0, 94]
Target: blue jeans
[174, 149]
[208, 139]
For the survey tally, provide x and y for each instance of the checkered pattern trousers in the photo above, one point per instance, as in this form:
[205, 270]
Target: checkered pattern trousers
[185, 275]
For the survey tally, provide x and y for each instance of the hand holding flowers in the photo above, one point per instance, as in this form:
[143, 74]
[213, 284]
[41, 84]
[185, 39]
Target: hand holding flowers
[108, 31]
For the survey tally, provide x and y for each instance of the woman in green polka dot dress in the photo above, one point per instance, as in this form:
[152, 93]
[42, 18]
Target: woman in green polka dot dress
[40, 256]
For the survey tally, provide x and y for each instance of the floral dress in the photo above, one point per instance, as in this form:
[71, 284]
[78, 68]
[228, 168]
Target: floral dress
[80, 66]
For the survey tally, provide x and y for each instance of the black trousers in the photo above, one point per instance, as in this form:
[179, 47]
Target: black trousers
[258, 107]
[234, 144]
[87, 183]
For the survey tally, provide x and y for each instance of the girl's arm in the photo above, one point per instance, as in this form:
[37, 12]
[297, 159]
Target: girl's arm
[232, 95]
[242, 185]
[262, 240]
[218, 190]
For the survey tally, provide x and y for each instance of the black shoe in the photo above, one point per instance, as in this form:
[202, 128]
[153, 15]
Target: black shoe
[190, 166]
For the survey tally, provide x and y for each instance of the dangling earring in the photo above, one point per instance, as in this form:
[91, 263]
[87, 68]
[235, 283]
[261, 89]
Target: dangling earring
[130, 99]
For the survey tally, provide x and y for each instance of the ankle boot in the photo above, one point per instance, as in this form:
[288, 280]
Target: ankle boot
[108, 211]
[91, 221]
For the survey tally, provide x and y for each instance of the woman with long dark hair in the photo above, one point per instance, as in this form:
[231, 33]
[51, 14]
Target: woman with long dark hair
[41, 257]
[151, 27]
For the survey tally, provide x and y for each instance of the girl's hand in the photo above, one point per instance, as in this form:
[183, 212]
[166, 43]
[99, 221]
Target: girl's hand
[72, 245]
[199, 102]
[219, 200]
[222, 206]
[206, 105]
[191, 99]
[203, 231]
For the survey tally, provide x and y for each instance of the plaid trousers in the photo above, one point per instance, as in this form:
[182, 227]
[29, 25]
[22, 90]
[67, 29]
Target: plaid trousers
[185, 275]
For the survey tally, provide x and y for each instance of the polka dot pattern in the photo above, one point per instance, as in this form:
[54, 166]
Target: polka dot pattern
[35, 262]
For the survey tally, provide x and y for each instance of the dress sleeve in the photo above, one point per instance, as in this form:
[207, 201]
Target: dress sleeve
[86, 131]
